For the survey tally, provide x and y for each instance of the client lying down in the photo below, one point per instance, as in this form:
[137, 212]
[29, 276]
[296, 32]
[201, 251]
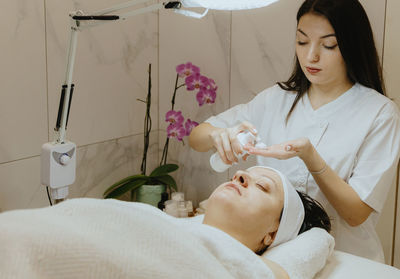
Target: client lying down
[90, 238]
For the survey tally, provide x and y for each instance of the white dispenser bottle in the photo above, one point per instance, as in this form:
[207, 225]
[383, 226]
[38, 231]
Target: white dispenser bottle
[244, 138]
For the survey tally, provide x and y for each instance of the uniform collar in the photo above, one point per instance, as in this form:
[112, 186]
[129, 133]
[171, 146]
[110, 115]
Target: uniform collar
[333, 106]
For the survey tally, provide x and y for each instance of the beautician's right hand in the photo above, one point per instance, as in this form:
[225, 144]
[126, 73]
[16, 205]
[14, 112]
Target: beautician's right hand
[226, 142]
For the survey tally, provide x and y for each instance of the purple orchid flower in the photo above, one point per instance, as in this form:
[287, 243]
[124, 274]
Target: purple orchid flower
[188, 69]
[206, 96]
[189, 125]
[174, 117]
[176, 131]
[212, 85]
[196, 81]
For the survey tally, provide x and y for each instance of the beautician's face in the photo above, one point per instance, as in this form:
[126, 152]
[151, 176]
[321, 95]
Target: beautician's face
[318, 51]
[249, 205]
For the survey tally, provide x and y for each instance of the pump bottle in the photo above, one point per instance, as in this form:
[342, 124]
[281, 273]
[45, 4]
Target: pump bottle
[244, 138]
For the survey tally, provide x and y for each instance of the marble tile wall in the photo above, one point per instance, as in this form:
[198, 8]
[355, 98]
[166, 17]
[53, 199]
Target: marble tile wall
[106, 120]
[23, 108]
[244, 52]
[99, 165]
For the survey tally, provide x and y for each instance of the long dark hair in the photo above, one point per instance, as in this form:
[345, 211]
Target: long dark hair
[315, 216]
[356, 43]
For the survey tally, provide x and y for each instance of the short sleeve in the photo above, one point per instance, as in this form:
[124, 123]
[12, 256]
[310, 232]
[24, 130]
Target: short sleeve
[377, 159]
[252, 112]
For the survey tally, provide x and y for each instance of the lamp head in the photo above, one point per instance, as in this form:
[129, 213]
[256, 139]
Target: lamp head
[226, 5]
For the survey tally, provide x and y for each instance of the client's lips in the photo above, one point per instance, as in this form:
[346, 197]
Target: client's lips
[312, 70]
[233, 186]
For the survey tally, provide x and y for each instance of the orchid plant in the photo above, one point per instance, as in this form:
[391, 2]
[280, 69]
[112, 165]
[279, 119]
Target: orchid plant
[206, 93]
[205, 89]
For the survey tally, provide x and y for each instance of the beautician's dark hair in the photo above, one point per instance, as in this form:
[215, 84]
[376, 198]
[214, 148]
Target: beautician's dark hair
[356, 43]
[315, 216]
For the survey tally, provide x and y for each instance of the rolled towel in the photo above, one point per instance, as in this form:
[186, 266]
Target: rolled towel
[305, 255]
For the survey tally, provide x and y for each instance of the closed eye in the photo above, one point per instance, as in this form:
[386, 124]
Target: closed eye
[331, 47]
[263, 188]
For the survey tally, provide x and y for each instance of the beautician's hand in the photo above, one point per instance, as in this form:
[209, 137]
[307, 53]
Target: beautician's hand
[298, 147]
[226, 142]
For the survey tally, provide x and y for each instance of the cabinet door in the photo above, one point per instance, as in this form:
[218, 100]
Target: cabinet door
[396, 251]
[385, 226]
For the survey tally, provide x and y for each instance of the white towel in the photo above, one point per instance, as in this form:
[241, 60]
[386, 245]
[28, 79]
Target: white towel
[301, 257]
[305, 255]
[89, 238]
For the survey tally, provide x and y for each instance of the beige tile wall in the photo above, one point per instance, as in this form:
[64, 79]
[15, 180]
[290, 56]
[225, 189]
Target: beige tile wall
[243, 52]
[106, 120]
[23, 108]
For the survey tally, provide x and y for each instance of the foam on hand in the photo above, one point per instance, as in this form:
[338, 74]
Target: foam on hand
[260, 145]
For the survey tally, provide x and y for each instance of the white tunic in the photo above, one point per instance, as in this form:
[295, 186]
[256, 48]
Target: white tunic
[357, 134]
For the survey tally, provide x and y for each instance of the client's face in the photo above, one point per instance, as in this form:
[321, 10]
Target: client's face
[248, 207]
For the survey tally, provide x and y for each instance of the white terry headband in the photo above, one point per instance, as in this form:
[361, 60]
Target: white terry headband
[293, 212]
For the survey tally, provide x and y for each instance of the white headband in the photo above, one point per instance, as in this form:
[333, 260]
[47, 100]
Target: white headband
[293, 212]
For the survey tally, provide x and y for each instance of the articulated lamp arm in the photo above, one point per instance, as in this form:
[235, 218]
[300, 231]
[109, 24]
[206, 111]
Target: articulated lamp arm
[79, 22]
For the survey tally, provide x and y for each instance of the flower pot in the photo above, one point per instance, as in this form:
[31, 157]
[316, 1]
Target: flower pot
[150, 194]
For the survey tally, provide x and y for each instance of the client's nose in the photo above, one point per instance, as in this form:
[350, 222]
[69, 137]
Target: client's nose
[242, 178]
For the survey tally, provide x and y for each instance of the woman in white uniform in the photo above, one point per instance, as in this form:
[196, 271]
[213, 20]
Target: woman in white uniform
[329, 128]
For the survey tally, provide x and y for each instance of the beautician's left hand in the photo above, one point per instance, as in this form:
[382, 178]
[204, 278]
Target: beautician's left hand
[299, 147]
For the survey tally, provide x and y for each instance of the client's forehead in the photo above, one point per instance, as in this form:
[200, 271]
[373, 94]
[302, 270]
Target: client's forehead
[268, 173]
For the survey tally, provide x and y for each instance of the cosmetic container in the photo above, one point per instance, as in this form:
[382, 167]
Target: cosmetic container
[178, 196]
[182, 210]
[244, 138]
[171, 208]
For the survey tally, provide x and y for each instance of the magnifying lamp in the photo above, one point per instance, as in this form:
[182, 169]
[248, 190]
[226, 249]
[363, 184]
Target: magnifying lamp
[58, 158]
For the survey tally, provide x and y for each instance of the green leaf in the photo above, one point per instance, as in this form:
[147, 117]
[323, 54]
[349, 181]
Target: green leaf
[122, 189]
[123, 181]
[164, 169]
[167, 180]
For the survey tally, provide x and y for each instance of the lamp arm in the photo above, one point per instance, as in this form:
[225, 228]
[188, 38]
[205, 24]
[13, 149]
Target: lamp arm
[79, 22]
[119, 7]
[66, 93]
